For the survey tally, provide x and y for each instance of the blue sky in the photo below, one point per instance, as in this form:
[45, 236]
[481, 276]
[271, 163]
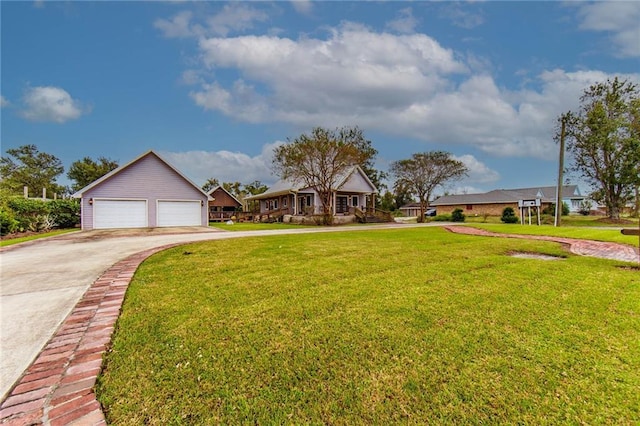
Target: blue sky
[214, 86]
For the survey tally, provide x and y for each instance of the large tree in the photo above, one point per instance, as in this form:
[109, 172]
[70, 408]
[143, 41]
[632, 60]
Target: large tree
[424, 172]
[604, 140]
[319, 159]
[85, 171]
[26, 166]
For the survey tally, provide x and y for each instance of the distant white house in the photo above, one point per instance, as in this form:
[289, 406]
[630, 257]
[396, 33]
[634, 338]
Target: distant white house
[494, 202]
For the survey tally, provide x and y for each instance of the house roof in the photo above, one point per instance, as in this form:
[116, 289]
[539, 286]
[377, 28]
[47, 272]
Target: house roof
[210, 194]
[497, 196]
[284, 186]
[114, 172]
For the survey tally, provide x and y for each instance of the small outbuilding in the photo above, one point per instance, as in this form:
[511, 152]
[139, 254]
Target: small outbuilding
[147, 192]
[222, 204]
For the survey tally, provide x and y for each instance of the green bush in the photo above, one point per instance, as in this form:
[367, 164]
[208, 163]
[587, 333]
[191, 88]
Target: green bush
[509, 216]
[65, 213]
[18, 214]
[442, 218]
[457, 216]
[551, 209]
[31, 214]
[8, 222]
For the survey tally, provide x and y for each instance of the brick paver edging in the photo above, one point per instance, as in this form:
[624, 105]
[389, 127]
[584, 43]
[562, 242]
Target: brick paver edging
[601, 249]
[57, 388]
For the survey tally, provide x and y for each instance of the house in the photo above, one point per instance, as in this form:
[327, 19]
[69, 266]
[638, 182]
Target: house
[494, 202]
[145, 193]
[413, 209]
[353, 191]
[222, 204]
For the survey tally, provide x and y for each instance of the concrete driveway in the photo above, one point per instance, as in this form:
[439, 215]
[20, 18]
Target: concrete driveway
[43, 280]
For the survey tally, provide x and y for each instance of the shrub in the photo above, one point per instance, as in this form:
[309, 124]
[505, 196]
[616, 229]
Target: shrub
[442, 218]
[65, 213]
[509, 216]
[551, 209]
[457, 216]
[30, 213]
[585, 208]
[8, 222]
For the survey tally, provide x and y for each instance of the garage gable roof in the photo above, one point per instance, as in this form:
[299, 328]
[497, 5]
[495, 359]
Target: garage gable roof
[114, 172]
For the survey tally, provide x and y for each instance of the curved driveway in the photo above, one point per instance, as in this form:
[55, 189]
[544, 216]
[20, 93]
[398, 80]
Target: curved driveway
[43, 280]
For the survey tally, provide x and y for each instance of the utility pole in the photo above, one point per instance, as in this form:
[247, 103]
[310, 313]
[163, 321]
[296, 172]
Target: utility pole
[560, 170]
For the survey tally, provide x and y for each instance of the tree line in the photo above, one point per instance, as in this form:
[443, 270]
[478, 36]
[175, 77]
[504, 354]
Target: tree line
[603, 138]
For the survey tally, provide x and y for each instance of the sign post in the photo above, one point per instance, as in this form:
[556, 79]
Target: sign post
[633, 232]
[522, 204]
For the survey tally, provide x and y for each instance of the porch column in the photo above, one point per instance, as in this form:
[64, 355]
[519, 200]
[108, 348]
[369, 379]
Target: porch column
[333, 208]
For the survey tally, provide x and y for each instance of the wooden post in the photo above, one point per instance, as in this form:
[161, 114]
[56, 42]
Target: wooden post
[25, 191]
[634, 232]
[560, 170]
[44, 193]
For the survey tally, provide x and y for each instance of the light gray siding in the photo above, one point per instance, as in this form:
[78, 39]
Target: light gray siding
[150, 179]
[356, 183]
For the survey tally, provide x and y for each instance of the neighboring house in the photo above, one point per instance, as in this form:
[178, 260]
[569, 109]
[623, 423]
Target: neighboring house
[222, 204]
[494, 202]
[145, 193]
[353, 190]
[413, 209]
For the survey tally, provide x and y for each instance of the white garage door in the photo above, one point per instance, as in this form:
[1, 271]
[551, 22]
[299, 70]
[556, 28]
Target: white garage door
[179, 213]
[119, 214]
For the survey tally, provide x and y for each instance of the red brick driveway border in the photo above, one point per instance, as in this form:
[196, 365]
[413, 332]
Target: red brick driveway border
[58, 387]
[601, 249]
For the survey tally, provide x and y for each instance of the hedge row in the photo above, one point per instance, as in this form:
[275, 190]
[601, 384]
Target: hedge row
[18, 214]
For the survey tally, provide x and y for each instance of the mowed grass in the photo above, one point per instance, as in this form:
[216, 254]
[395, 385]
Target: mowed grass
[408, 326]
[578, 232]
[253, 226]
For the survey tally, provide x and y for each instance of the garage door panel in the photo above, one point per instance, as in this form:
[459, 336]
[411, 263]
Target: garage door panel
[109, 214]
[180, 213]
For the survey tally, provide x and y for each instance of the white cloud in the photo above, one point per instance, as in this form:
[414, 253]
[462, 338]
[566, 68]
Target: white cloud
[405, 22]
[303, 7]
[235, 17]
[48, 103]
[619, 18]
[460, 17]
[178, 27]
[405, 85]
[226, 166]
[3, 102]
[478, 171]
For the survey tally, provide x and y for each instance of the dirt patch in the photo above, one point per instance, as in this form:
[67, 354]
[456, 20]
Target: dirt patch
[531, 255]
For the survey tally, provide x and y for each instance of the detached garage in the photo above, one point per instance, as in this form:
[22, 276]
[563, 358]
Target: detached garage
[145, 193]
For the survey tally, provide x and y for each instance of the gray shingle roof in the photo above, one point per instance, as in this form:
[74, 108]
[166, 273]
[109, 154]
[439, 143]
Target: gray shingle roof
[545, 193]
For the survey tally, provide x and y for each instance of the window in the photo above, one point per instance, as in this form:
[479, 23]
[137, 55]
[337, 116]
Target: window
[469, 206]
[284, 202]
[354, 201]
[275, 204]
[309, 203]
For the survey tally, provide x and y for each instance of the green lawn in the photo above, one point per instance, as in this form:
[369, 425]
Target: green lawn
[252, 226]
[11, 241]
[580, 232]
[408, 326]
